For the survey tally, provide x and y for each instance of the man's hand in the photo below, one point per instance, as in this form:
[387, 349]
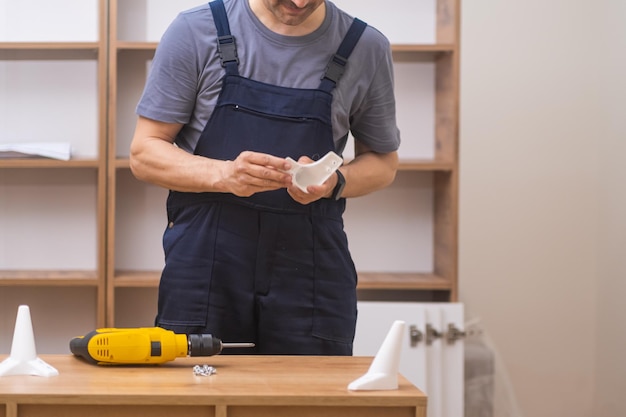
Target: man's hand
[369, 171]
[314, 192]
[155, 159]
[254, 172]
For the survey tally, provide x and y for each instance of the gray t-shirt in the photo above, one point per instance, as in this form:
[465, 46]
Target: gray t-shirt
[185, 78]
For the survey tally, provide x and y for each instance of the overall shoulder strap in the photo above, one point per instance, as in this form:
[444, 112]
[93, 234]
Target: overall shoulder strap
[226, 45]
[337, 64]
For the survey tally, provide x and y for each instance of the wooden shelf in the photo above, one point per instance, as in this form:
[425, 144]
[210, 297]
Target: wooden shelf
[401, 52]
[402, 281]
[123, 163]
[137, 279]
[367, 280]
[412, 48]
[46, 46]
[48, 163]
[137, 46]
[420, 52]
[417, 47]
[82, 278]
[424, 165]
[17, 51]
[405, 165]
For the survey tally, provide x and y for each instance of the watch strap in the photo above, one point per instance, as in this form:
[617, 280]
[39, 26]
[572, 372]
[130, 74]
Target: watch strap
[338, 190]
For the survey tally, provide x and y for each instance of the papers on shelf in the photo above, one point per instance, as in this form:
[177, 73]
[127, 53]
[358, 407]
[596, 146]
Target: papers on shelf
[54, 150]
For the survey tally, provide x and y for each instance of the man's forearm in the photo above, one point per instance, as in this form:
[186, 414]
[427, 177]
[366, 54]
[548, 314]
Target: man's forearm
[369, 172]
[164, 164]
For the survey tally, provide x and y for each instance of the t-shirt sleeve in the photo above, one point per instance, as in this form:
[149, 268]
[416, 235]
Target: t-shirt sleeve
[374, 122]
[170, 91]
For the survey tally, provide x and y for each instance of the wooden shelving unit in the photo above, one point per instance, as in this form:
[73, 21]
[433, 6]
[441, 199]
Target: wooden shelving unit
[122, 63]
[31, 171]
[443, 54]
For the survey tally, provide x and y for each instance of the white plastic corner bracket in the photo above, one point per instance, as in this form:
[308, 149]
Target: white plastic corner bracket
[315, 173]
[23, 359]
[383, 372]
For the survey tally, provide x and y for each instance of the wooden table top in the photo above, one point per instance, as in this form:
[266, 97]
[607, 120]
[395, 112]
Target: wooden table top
[240, 380]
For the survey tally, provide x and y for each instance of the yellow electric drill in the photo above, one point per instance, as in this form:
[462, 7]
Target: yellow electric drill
[145, 345]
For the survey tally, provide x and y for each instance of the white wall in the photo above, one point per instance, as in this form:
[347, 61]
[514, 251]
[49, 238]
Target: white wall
[611, 365]
[543, 195]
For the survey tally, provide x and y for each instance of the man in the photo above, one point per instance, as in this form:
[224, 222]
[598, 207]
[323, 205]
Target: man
[236, 87]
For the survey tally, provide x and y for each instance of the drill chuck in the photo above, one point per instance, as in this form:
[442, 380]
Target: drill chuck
[203, 345]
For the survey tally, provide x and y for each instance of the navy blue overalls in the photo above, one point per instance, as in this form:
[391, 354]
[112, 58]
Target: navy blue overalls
[263, 269]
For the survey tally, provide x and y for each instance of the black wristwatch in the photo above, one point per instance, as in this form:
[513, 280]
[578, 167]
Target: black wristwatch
[338, 190]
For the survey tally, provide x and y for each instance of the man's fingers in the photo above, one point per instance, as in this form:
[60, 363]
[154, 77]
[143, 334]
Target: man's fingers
[265, 160]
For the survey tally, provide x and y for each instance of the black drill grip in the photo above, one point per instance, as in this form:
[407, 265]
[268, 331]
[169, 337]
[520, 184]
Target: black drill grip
[79, 346]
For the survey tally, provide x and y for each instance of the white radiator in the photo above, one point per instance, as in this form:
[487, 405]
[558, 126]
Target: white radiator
[432, 353]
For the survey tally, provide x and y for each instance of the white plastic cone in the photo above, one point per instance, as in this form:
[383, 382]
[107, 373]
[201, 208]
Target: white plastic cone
[23, 359]
[383, 372]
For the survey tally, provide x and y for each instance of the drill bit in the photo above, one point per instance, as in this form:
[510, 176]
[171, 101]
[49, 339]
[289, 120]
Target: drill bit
[238, 345]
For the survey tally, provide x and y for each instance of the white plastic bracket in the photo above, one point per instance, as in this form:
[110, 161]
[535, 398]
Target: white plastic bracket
[383, 372]
[23, 359]
[315, 173]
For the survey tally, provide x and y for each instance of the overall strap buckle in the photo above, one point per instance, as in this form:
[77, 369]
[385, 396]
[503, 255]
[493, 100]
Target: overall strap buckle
[227, 50]
[335, 68]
